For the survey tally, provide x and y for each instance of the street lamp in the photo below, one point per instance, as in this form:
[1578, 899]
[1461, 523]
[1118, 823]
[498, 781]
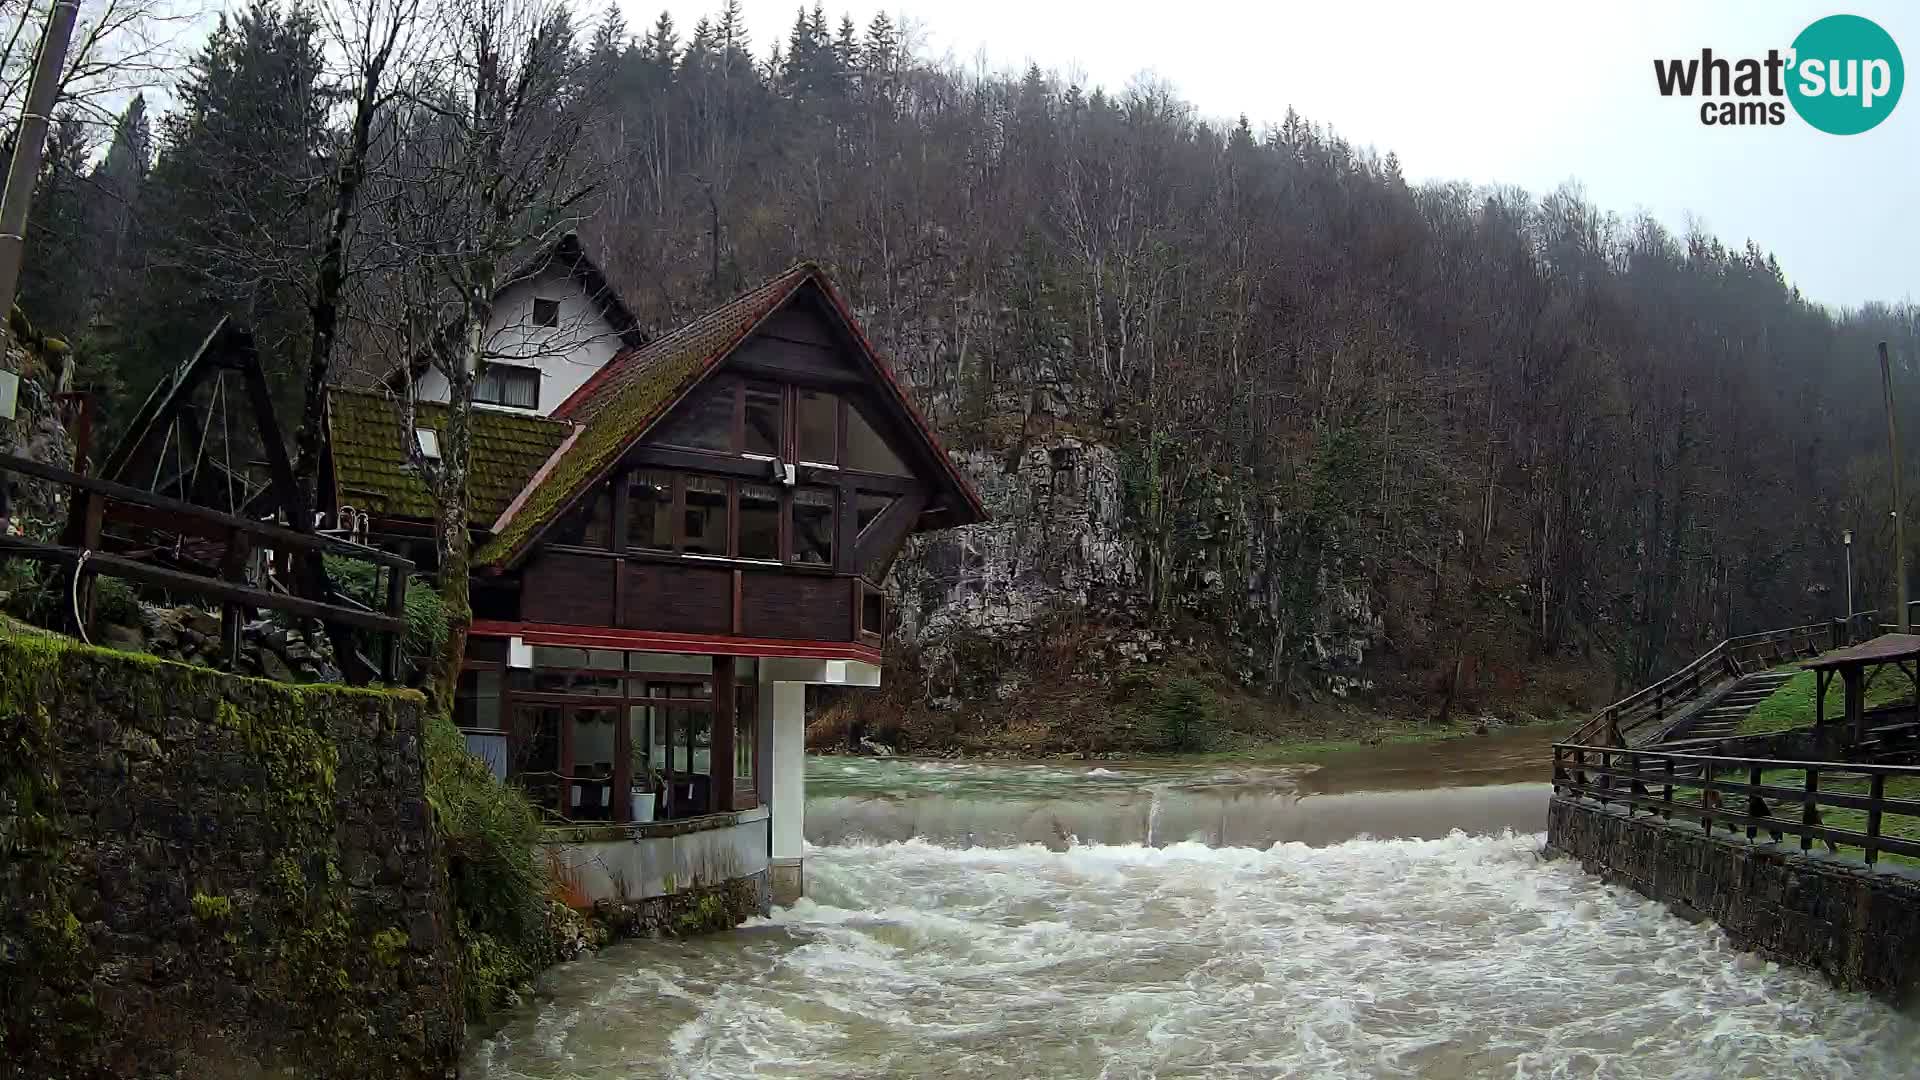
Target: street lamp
[1846, 541]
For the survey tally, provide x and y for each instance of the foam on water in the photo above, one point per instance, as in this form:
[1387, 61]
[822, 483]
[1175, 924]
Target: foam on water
[1455, 957]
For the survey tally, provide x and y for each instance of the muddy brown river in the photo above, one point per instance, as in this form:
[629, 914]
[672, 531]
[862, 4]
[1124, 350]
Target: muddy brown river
[1381, 914]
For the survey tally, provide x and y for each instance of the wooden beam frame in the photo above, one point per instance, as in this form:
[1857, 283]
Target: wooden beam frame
[889, 530]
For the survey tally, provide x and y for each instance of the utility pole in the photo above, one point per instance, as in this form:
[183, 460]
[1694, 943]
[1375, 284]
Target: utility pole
[1899, 523]
[30, 144]
[1846, 541]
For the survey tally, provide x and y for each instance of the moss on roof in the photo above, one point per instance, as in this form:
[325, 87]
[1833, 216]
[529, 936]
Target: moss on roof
[628, 396]
[370, 460]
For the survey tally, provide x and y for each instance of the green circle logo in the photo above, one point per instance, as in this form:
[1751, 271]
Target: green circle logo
[1846, 75]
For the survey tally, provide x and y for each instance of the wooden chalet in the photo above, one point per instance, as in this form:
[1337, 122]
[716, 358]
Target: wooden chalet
[667, 555]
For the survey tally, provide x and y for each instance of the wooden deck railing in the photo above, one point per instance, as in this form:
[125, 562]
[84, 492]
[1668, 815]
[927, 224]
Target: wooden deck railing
[1739, 794]
[94, 498]
[1730, 658]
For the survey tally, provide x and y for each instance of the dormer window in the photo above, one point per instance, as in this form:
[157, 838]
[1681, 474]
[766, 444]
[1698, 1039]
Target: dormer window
[429, 441]
[510, 385]
[546, 312]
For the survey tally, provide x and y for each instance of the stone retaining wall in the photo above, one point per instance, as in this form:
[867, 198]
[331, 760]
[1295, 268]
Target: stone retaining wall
[1859, 927]
[212, 876]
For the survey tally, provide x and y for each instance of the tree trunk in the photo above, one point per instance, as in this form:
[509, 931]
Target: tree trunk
[451, 533]
[455, 560]
[329, 283]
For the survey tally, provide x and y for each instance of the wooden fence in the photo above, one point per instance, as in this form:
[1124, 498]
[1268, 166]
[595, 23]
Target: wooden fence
[95, 500]
[1740, 794]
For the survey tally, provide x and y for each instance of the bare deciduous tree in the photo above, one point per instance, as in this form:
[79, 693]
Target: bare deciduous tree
[118, 48]
[490, 170]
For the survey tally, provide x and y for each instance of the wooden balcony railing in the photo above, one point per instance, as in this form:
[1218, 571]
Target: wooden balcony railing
[95, 500]
[1838, 805]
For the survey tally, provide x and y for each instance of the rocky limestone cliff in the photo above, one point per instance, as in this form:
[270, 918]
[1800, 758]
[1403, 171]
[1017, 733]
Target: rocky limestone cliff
[1057, 543]
[1042, 626]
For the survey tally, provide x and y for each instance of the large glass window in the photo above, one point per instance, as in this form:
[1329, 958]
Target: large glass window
[867, 451]
[644, 779]
[650, 511]
[759, 522]
[592, 740]
[744, 728]
[705, 422]
[508, 384]
[589, 523]
[706, 516]
[536, 760]
[813, 525]
[476, 701]
[764, 406]
[819, 414]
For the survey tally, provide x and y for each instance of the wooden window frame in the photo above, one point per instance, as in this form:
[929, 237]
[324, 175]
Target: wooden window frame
[619, 485]
[868, 635]
[727, 791]
[528, 369]
[839, 425]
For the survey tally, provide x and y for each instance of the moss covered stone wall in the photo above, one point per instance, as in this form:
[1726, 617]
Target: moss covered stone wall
[210, 876]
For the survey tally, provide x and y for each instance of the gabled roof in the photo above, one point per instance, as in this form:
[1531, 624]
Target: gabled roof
[370, 460]
[639, 386]
[566, 253]
[569, 253]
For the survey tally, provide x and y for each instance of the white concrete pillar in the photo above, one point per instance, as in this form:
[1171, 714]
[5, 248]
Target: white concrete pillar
[784, 711]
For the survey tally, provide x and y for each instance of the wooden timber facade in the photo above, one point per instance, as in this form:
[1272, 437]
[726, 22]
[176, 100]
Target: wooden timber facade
[708, 505]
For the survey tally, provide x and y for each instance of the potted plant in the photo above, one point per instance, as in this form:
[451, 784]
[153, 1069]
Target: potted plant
[646, 782]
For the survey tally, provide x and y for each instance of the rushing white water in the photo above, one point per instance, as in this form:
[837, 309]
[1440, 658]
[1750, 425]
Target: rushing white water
[1464, 956]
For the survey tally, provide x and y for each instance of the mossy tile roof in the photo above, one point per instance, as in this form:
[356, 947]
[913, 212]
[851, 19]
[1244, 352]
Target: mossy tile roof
[370, 460]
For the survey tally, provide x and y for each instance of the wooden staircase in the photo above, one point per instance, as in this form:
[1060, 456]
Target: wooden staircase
[1728, 680]
[1721, 718]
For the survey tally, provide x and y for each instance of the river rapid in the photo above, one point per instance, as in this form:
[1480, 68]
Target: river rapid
[1383, 916]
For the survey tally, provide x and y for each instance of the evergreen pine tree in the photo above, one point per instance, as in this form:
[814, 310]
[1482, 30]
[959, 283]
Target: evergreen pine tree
[54, 280]
[232, 212]
[701, 47]
[609, 40]
[1242, 138]
[795, 71]
[846, 46]
[662, 45]
[732, 38]
[882, 43]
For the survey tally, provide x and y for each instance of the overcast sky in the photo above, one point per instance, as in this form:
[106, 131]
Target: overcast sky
[1533, 94]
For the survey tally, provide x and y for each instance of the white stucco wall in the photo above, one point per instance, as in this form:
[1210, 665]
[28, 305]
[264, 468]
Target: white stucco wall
[735, 846]
[567, 354]
[784, 704]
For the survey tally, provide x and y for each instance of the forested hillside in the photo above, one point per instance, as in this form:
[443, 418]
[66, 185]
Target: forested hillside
[1246, 402]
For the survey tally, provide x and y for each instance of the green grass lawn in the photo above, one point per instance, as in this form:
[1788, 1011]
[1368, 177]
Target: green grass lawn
[1791, 706]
